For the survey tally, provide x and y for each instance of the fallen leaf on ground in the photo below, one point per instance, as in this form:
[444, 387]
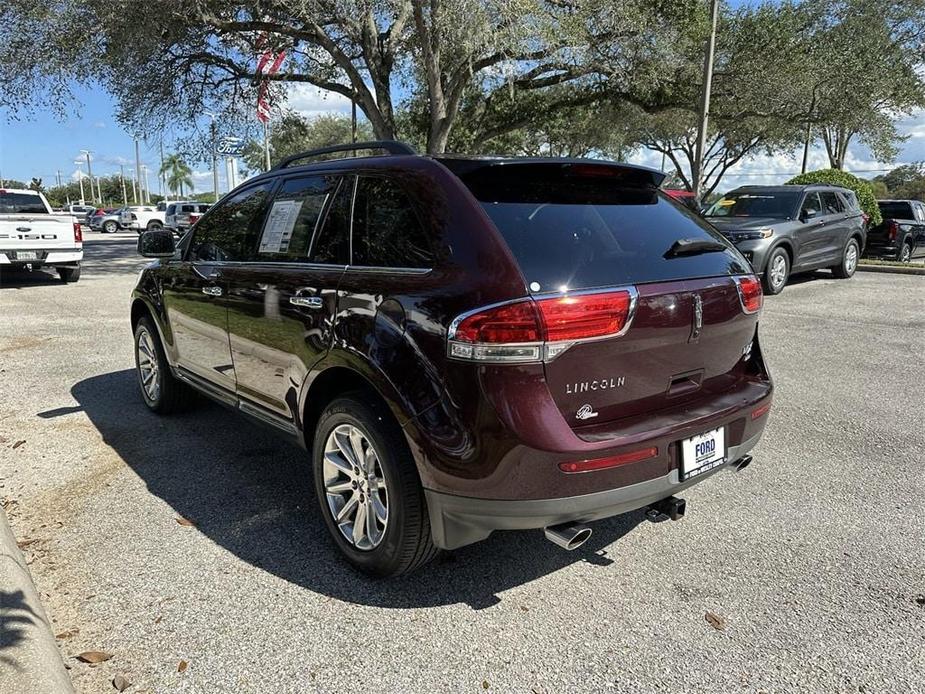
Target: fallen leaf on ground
[484, 684]
[182, 666]
[183, 521]
[120, 683]
[920, 599]
[67, 634]
[158, 619]
[18, 443]
[94, 657]
[25, 543]
[715, 621]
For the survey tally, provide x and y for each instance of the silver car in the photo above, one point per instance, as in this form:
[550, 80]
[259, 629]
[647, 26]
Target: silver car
[106, 220]
[181, 215]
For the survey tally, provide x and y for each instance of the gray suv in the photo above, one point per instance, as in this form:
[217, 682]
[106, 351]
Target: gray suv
[783, 230]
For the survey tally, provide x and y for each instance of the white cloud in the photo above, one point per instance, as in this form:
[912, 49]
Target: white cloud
[312, 101]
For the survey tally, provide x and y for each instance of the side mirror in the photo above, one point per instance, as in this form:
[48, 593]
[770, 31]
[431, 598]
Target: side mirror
[157, 243]
[808, 214]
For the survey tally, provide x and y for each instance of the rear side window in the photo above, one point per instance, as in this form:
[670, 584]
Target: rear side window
[830, 203]
[293, 218]
[896, 210]
[332, 242]
[386, 230]
[228, 231]
[580, 232]
[21, 203]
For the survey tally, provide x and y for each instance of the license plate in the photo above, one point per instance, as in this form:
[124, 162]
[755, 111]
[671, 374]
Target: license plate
[26, 255]
[703, 452]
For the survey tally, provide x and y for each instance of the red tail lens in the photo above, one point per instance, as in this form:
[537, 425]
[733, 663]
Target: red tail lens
[761, 411]
[585, 315]
[78, 233]
[516, 322]
[750, 293]
[609, 462]
[893, 229]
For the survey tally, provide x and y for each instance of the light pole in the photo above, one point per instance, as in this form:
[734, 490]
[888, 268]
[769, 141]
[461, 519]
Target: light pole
[147, 192]
[88, 152]
[80, 179]
[137, 170]
[122, 180]
[214, 158]
[697, 173]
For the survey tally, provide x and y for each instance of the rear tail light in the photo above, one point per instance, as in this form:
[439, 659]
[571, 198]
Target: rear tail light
[865, 218]
[762, 410]
[537, 329]
[193, 218]
[78, 234]
[892, 229]
[750, 294]
[610, 461]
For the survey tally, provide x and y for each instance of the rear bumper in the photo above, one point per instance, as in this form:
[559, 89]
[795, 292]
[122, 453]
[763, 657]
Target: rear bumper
[457, 521]
[43, 257]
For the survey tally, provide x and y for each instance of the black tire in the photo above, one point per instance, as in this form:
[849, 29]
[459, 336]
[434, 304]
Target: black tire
[110, 227]
[406, 542]
[69, 274]
[776, 272]
[849, 260]
[155, 225]
[905, 253]
[172, 395]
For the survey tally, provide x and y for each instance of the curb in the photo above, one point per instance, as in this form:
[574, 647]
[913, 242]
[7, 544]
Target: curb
[29, 658]
[896, 269]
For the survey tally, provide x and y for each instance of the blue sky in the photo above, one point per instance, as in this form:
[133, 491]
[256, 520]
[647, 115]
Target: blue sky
[42, 145]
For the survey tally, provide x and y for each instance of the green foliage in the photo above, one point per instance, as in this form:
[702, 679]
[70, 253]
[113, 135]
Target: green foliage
[837, 177]
[905, 182]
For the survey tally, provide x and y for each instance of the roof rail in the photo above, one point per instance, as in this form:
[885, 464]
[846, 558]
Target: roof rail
[390, 146]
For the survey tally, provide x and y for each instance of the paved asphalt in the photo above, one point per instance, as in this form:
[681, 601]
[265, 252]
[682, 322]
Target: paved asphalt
[814, 557]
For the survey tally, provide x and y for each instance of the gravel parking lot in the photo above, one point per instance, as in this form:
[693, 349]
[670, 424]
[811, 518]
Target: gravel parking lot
[813, 558]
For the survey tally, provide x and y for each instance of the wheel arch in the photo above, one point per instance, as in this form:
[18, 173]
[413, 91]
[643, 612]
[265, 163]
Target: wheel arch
[141, 308]
[787, 245]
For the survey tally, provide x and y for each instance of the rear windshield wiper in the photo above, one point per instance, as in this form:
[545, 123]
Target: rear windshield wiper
[693, 247]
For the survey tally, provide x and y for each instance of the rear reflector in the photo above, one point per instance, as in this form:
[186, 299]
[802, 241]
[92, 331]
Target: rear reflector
[535, 329]
[892, 229]
[610, 461]
[78, 233]
[750, 294]
[761, 411]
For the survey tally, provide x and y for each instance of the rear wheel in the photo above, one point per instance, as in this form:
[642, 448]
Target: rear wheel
[776, 272]
[849, 260]
[368, 488]
[161, 391]
[69, 274]
[110, 227]
[155, 225]
[905, 253]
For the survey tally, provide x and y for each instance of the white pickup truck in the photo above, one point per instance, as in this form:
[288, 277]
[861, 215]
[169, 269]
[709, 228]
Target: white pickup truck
[32, 237]
[143, 217]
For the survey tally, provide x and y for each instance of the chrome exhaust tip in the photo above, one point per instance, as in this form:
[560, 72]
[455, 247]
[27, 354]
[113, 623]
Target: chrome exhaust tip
[742, 463]
[568, 535]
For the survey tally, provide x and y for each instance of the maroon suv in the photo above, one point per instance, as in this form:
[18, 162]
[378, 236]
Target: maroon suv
[463, 344]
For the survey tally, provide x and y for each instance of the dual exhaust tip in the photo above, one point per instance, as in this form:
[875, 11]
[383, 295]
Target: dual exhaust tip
[568, 535]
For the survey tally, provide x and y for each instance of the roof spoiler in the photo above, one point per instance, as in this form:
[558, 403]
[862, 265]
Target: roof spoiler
[389, 146]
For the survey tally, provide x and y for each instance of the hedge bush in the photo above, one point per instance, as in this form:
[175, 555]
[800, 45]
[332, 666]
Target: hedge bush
[837, 177]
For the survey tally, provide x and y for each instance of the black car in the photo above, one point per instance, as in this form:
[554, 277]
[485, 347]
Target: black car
[463, 344]
[788, 229]
[901, 234]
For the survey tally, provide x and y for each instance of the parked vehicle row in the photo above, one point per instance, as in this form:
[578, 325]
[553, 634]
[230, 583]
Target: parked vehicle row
[787, 229]
[463, 344]
[32, 237]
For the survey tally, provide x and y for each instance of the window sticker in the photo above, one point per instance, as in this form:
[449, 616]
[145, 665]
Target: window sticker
[278, 231]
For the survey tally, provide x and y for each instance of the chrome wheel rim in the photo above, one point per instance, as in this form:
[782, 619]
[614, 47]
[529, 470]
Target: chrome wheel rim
[148, 371]
[905, 254]
[851, 258]
[355, 487]
[778, 270]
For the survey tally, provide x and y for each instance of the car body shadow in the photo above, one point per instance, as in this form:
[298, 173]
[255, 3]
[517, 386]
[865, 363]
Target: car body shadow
[251, 493]
[17, 279]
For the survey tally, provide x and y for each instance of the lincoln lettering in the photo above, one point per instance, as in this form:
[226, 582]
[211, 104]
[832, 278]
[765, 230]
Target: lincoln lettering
[600, 384]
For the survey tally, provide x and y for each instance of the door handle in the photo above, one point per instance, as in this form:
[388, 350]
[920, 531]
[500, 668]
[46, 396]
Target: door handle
[306, 301]
[212, 291]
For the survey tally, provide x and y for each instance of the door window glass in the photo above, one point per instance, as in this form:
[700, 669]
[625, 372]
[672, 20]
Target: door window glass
[386, 230]
[227, 232]
[332, 242]
[293, 218]
[811, 206]
[830, 203]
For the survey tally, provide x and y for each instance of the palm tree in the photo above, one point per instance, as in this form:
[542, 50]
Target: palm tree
[177, 173]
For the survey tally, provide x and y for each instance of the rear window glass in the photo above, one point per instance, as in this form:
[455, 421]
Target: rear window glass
[21, 203]
[568, 232]
[896, 210]
[779, 205]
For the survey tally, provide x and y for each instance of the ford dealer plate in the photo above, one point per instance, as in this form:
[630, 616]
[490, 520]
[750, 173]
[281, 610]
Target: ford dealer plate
[703, 452]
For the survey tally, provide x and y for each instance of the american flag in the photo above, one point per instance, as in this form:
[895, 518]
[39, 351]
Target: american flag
[268, 64]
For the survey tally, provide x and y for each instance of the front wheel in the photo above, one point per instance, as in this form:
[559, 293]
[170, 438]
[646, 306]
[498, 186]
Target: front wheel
[110, 227]
[69, 274]
[849, 260]
[368, 488]
[160, 390]
[155, 225]
[776, 272]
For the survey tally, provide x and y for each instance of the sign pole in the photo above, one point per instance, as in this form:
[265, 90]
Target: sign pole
[266, 144]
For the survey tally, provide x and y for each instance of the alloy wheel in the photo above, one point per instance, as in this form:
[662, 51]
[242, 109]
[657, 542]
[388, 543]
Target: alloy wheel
[778, 270]
[905, 255]
[851, 258]
[355, 487]
[148, 371]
